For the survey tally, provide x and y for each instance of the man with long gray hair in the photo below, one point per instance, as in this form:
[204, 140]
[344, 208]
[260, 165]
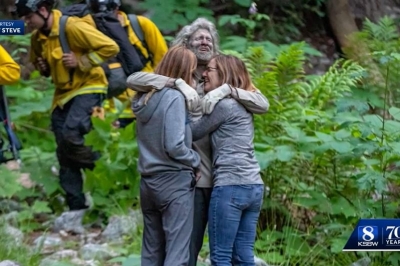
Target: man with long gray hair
[200, 37]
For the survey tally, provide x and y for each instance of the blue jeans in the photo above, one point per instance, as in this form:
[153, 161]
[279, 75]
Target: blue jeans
[232, 224]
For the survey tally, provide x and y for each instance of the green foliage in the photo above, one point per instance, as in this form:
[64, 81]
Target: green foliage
[8, 183]
[129, 254]
[114, 181]
[288, 18]
[18, 252]
[251, 26]
[29, 104]
[21, 40]
[380, 56]
[327, 160]
[173, 14]
[238, 29]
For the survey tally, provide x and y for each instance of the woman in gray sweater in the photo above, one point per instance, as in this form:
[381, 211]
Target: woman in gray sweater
[238, 188]
[166, 163]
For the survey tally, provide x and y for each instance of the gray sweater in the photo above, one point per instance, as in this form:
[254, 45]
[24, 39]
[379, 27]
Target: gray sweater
[163, 133]
[232, 132]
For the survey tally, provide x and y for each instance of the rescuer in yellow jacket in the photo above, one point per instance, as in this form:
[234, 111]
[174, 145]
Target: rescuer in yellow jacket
[156, 49]
[80, 87]
[9, 69]
[90, 48]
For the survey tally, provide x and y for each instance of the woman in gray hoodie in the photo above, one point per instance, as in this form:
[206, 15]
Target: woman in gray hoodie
[237, 195]
[167, 164]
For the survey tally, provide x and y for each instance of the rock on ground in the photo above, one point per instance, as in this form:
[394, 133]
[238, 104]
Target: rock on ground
[97, 252]
[70, 221]
[118, 226]
[8, 263]
[362, 262]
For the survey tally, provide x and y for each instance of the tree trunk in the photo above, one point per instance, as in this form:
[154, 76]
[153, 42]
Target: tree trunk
[344, 27]
[341, 20]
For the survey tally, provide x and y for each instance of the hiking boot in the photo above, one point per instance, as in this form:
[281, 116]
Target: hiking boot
[70, 221]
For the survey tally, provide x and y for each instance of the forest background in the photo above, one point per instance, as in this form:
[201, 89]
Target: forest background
[329, 147]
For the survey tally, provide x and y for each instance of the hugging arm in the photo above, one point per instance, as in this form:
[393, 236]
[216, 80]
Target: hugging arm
[255, 102]
[146, 82]
[208, 123]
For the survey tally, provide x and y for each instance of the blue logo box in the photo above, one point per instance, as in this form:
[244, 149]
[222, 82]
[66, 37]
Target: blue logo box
[368, 233]
[12, 27]
[375, 235]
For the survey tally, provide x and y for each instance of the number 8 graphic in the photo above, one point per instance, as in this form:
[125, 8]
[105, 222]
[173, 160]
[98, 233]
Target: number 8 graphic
[368, 233]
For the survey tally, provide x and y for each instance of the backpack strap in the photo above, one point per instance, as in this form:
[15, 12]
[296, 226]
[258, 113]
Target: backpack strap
[62, 35]
[64, 42]
[137, 29]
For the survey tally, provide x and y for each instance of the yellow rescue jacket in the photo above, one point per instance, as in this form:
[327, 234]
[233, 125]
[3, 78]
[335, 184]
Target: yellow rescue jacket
[156, 45]
[9, 69]
[90, 46]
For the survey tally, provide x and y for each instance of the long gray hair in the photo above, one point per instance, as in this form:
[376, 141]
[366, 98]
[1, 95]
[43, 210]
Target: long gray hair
[183, 36]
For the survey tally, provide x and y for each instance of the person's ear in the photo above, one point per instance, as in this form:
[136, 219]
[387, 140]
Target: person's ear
[43, 11]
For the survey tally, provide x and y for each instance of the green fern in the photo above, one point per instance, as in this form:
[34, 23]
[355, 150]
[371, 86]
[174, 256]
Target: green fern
[382, 40]
[282, 82]
[334, 84]
[258, 60]
[289, 64]
[383, 31]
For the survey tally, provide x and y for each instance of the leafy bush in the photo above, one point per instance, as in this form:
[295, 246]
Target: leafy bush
[113, 183]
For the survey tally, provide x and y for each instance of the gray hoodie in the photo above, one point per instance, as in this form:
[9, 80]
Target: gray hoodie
[163, 133]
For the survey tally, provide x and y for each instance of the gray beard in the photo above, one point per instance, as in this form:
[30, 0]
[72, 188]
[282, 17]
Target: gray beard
[203, 56]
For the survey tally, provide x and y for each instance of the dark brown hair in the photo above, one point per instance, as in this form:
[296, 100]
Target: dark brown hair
[178, 62]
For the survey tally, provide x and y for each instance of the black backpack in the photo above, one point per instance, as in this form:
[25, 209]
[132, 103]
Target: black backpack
[128, 57]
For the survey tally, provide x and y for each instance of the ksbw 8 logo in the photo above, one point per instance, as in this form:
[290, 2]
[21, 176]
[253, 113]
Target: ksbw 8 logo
[366, 236]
